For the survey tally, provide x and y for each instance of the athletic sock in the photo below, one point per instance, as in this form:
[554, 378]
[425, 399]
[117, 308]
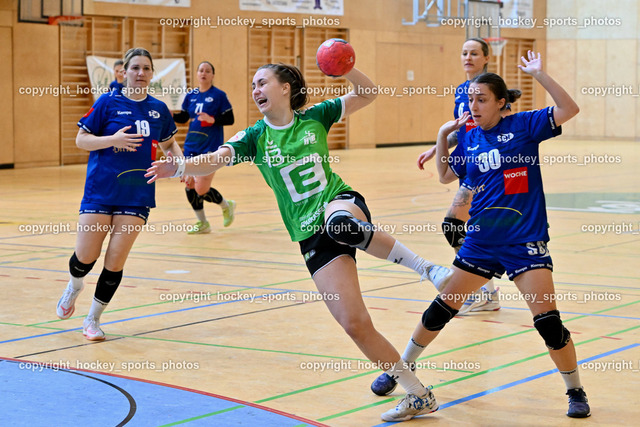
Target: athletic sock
[490, 286]
[571, 378]
[97, 307]
[413, 351]
[201, 216]
[212, 196]
[402, 255]
[402, 373]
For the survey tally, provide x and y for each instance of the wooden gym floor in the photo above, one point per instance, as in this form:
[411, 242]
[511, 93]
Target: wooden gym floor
[233, 314]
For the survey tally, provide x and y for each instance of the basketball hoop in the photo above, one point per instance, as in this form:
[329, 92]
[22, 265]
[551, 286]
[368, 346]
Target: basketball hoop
[65, 20]
[496, 43]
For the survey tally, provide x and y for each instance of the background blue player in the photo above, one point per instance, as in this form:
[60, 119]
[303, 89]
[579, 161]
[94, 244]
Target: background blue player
[499, 162]
[210, 110]
[118, 72]
[122, 131]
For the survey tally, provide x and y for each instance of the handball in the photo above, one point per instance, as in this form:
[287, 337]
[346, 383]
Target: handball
[335, 57]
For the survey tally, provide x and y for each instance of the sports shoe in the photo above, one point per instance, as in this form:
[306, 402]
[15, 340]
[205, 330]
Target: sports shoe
[200, 228]
[481, 300]
[411, 406]
[438, 275]
[228, 213]
[67, 304]
[385, 384]
[91, 329]
[578, 403]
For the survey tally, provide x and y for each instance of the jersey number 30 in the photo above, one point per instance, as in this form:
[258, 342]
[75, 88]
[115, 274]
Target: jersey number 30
[304, 178]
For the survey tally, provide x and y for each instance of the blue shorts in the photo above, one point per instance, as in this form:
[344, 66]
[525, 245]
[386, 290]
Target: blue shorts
[493, 260]
[97, 208]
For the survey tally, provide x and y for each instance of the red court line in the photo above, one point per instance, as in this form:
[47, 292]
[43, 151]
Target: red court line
[191, 390]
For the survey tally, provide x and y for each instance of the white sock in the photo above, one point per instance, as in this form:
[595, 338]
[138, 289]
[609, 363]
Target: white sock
[490, 286]
[401, 372]
[413, 351]
[224, 204]
[76, 283]
[571, 378]
[402, 255]
[200, 215]
[97, 307]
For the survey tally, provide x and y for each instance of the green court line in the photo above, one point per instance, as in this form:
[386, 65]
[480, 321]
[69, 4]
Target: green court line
[199, 417]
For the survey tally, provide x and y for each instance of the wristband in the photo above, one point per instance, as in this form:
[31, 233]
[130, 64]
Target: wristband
[181, 167]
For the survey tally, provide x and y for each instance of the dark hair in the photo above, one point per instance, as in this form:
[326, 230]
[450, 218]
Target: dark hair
[485, 48]
[118, 62]
[292, 75]
[136, 51]
[213, 70]
[498, 87]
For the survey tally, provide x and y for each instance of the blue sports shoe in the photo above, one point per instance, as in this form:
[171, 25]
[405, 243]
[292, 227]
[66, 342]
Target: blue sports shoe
[578, 403]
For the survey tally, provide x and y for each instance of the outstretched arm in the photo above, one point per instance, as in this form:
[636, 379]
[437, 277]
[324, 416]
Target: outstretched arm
[204, 164]
[442, 148]
[566, 108]
[363, 92]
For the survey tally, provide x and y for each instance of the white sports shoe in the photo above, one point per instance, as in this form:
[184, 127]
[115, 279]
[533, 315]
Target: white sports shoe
[91, 329]
[67, 303]
[411, 406]
[438, 275]
[481, 300]
[228, 213]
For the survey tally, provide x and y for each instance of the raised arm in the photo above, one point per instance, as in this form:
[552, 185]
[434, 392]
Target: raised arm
[442, 148]
[566, 108]
[204, 164]
[363, 93]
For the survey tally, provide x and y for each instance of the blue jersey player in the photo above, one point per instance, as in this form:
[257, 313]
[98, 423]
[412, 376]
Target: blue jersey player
[210, 110]
[499, 162]
[118, 71]
[122, 132]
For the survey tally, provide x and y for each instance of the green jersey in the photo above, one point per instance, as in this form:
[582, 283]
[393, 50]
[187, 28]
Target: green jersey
[294, 160]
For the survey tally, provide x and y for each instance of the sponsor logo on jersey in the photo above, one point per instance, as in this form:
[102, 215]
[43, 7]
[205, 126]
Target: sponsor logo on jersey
[470, 124]
[273, 154]
[121, 113]
[505, 137]
[516, 181]
[88, 113]
[238, 136]
[154, 114]
[309, 138]
[154, 149]
[208, 99]
[473, 148]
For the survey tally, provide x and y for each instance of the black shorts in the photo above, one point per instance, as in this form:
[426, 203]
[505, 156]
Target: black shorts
[320, 249]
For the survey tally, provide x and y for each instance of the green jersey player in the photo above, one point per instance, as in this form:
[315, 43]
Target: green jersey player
[320, 211]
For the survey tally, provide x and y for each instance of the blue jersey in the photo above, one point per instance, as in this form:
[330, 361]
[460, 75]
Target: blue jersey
[115, 85]
[501, 167]
[116, 176]
[462, 106]
[204, 137]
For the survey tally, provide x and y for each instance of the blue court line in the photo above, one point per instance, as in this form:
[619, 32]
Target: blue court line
[521, 381]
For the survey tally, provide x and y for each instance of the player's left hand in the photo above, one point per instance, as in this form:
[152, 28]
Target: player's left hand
[454, 125]
[204, 117]
[533, 65]
[165, 168]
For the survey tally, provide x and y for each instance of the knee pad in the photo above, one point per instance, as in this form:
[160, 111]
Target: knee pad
[108, 283]
[454, 231]
[550, 327]
[195, 200]
[77, 268]
[437, 315]
[344, 228]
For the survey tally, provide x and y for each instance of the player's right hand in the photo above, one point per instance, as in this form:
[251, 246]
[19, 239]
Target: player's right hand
[126, 141]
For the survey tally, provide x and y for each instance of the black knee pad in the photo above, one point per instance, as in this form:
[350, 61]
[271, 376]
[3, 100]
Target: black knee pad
[454, 231]
[437, 315]
[212, 196]
[108, 283]
[346, 229]
[195, 200]
[77, 268]
[550, 327]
